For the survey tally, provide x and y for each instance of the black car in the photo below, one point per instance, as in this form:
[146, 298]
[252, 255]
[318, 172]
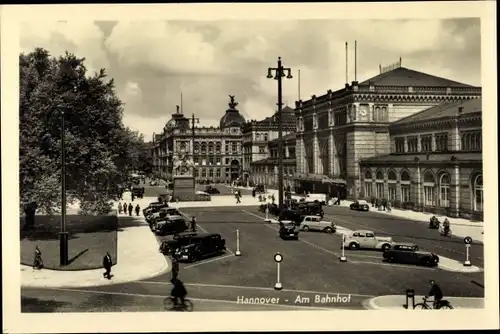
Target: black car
[200, 246]
[138, 192]
[309, 208]
[293, 216]
[259, 188]
[360, 205]
[155, 216]
[211, 190]
[180, 239]
[410, 254]
[154, 207]
[288, 230]
[171, 225]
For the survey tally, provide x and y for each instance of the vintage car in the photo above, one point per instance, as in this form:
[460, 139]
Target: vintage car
[360, 205]
[200, 246]
[309, 208]
[409, 253]
[154, 207]
[171, 225]
[315, 223]
[288, 230]
[180, 239]
[292, 215]
[162, 213]
[363, 239]
[138, 191]
[211, 190]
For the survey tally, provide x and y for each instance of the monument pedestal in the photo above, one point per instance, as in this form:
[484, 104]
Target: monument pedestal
[184, 188]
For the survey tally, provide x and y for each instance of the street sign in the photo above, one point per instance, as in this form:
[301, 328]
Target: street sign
[468, 240]
[278, 257]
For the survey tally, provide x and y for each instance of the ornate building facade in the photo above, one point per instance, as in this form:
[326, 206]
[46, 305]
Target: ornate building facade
[265, 171]
[216, 151]
[258, 134]
[435, 163]
[337, 130]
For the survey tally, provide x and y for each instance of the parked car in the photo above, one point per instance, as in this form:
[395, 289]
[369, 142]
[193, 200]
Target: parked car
[288, 230]
[409, 253]
[211, 190]
[201, 246]
[180, 239]
[274, 209]
[309, 208]
[292, 215]
[363, 239]
[162, 213]
[138, 191]
[173, 224]
[154, 207]
[315, 223]
[360, 205]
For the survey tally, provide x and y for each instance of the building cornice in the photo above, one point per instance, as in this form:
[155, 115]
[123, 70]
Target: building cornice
[437, 123]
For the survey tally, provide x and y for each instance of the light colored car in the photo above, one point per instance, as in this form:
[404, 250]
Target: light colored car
[315, 223]
[363, 239]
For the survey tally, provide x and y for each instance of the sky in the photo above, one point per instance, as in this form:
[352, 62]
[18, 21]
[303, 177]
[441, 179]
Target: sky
[153, 62]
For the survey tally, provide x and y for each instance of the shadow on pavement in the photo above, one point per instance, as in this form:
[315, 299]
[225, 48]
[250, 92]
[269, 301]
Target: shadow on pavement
[128, 221]
[35, 305]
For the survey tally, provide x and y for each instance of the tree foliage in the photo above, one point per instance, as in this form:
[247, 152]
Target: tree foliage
[100, 151]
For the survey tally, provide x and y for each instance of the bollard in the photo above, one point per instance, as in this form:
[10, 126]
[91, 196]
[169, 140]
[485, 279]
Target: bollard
[278, 258]
[467, 241]
[410, 294]
[342, 257]
[267, 213]
[238, 253]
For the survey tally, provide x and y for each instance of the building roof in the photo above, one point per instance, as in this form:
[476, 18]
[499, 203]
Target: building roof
[436, 157]
[273, 161]
[444, 110]
[290, 136]
[403, 76]
[287, 113]
[232, 118]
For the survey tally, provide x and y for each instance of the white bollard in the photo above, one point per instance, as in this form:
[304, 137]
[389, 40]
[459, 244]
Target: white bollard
[278, 258]
[342, 257]
[267, 213]
[238, 253]
[467, 260]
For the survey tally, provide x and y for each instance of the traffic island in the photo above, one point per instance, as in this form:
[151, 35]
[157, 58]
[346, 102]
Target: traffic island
[398, 302]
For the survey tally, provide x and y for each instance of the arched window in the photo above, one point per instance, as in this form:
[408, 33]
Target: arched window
[218, 147]
[368, 184]
[380, 184]
[429, 186]
[478, 193]
[391, 184]
[211, 147]
[203, 147]
[444, 190]
[405, 186]
[203, 172]
[196, 147]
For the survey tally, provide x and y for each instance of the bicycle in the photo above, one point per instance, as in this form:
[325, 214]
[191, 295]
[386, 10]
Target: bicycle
[443, 304]
[169, 304]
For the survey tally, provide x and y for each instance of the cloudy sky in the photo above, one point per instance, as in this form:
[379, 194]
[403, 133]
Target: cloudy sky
[154, 61]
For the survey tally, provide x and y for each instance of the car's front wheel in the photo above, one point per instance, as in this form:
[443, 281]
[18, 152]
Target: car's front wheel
[353, 246]
[386, 247]
[328, 230]
[305, 228]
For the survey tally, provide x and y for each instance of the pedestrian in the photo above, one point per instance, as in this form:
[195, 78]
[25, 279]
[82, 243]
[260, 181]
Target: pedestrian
[160, 199]
[273, 198]
[193, 224]
[253, 192]
[137, 210]
[107, 263]
[120, 208]
[384, 204]
[38, 262]
[132, 195]
[238, 197]
[130, 208]
[175, 267]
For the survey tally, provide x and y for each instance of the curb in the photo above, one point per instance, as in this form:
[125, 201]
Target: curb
[371, 303]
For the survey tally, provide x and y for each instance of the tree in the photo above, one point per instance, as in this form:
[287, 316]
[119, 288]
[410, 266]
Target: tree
[100, 151]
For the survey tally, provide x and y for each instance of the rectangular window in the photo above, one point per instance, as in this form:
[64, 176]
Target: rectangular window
[234, 147]
[444, 193]
[428, 195]
[227, 161]
[217, 172]
[262, 149]
[441, 142]
[392, 192]
[412, 144]
[380, 190]
[217, 160]
[471, 141]
[400, 145]
[405, 193]
[426, 143]
[478, 202]
[227, 148]
[211, 173]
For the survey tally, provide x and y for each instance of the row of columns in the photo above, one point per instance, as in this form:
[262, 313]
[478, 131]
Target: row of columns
[319, 150]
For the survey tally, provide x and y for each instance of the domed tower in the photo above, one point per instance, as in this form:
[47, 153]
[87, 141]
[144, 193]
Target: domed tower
[178, 120]
[232, 118]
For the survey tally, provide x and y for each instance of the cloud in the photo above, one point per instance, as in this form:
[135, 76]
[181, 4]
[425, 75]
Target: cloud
[153, 62]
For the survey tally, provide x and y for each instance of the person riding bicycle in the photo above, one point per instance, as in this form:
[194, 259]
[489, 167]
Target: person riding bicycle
[446, 226]
[178, 291]
[433, 222]
[38, 262]
[436, 293]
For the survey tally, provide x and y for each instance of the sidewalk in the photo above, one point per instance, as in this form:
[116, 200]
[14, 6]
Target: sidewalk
[137, 258]
[397, 301]
[460, 227]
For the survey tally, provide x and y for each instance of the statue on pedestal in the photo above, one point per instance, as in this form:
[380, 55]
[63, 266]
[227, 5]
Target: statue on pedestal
[183, 166]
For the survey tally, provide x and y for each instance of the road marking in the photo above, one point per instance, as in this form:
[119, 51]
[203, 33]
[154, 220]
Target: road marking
[258, 288]
[192, 299]
[201, 228]
[209, 261]
[300, 240]
[391, 265]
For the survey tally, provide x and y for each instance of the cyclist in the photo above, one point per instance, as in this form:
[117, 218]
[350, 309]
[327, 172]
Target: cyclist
[436, 293]
[38, 262]
[446, 226]
[178, 291]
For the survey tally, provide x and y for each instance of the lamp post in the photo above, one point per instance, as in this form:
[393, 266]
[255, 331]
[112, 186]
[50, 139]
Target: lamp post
[194, 121]
[63, 234]
[279, 74]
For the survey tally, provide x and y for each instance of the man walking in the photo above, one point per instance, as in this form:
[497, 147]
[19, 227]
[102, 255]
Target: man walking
[175, 268]
[137, 210]
[120, 208]
[130, 208]
[107, 263]
[38, 262]
[193, 224]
